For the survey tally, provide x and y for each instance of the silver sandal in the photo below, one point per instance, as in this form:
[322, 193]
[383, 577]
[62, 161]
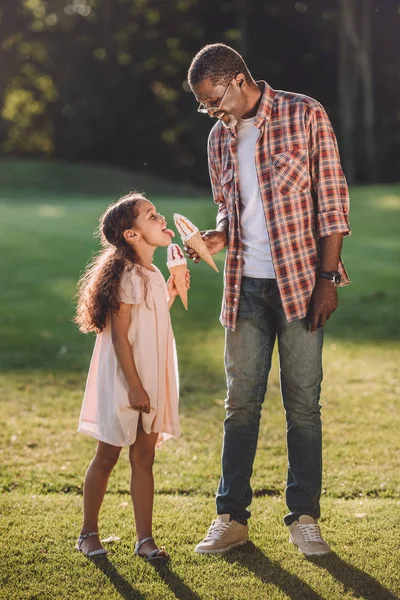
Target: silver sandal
[84, 536]
[152, 557]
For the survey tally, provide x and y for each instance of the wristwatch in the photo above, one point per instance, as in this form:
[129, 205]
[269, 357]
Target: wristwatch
[333, 276]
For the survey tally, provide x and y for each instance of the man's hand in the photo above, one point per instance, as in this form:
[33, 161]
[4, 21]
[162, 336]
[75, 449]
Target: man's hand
[139, 400]
[323, 303]
[215, 240]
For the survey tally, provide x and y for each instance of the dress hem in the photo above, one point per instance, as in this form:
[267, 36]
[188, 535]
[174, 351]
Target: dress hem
[165, 435]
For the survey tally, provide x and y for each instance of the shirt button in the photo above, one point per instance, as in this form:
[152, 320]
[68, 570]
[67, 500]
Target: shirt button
[236, 286]
[238, 256]
[234, 309]
[235, 299]
[291, 160]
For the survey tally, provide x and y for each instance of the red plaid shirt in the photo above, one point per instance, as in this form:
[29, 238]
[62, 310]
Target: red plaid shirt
[303, 190]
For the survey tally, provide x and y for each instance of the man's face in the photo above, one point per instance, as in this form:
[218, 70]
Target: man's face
[224, 102]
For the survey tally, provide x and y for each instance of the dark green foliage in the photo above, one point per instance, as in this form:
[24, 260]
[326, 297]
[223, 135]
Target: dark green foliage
[105, 80]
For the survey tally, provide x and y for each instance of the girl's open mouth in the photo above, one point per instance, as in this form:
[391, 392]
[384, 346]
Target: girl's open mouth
[169, 231]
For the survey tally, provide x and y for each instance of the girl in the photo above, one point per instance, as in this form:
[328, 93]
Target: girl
[131, 396]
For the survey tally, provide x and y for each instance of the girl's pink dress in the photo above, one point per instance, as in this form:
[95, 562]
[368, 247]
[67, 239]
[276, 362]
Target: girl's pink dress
[106, 414]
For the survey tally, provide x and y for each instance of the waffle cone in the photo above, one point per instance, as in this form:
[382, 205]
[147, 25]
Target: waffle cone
[179, 273]
[197, 244]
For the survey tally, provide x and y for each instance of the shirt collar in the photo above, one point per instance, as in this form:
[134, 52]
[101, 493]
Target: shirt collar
[264, 109]
[267, 100]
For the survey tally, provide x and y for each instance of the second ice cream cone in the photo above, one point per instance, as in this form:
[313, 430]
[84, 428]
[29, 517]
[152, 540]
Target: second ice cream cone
[179, 273]
[197, 244]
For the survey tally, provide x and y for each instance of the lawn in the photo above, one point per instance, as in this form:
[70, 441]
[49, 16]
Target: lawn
[46, 238]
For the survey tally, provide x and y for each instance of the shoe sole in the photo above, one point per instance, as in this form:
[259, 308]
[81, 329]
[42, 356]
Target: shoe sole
[323, 553]
[220, 550]
[93, 553]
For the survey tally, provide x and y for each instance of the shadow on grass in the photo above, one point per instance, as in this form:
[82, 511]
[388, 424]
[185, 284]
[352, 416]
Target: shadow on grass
[352, 578]
[271, 572]
[123, 587]
[175, 583]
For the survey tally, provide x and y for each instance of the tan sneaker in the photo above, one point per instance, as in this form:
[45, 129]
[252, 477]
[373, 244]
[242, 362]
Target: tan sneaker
[222, 536]
[306, 535]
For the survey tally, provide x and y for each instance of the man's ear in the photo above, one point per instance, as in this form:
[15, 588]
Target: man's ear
[131, 236]
[240, 79]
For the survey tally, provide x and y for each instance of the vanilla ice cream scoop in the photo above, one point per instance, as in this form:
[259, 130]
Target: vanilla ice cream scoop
[185, 227]
[175, 256]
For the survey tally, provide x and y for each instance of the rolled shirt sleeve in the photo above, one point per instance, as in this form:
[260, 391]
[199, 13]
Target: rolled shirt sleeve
[328, 181]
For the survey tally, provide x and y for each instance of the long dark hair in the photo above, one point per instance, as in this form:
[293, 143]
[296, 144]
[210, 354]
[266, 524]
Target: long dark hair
[98, 286]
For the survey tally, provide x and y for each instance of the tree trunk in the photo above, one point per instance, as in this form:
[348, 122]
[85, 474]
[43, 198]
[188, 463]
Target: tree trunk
[355, 35]
[347, 98]
[366, 79]
[241, 11]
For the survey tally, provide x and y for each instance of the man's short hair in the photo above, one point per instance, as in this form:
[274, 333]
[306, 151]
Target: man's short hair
[217, 62]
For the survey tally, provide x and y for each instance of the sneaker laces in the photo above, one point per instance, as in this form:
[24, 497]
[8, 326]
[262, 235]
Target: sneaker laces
[217, 529]
[311, 532]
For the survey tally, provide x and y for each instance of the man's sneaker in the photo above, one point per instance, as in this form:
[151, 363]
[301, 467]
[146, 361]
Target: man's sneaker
[306, 535]
[223, 535]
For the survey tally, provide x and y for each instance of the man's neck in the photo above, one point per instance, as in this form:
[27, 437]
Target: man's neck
[254, 99]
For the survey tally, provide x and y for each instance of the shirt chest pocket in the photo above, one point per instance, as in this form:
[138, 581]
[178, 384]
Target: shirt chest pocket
[291, 172]
[228, 190]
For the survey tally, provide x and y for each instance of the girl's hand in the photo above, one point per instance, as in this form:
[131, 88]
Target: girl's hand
[139, 400]
[172, 289]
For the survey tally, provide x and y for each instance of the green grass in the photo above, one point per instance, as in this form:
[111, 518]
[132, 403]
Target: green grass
[45, 240]
[34, 179]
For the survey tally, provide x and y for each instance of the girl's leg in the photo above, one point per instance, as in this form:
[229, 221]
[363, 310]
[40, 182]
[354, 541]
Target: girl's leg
[141, 456]
[94, 489]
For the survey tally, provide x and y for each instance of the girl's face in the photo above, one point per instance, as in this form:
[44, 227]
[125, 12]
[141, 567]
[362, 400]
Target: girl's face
[150, 226]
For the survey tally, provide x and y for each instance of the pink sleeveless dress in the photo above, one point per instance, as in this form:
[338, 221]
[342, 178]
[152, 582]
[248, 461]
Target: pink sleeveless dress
[106, 414]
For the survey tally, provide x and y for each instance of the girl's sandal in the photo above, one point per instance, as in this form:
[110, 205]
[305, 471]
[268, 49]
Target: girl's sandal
[82, 538]
[153, 557]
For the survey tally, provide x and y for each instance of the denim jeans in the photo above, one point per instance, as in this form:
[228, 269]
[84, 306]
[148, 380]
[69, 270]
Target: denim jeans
[248, 352]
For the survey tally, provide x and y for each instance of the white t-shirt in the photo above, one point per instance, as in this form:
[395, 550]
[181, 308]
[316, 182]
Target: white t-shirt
[257, 260]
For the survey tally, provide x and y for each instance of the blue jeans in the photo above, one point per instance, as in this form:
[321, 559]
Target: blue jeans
[248, 352]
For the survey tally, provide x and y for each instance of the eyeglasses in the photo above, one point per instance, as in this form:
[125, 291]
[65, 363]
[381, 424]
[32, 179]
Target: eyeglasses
[206, 111]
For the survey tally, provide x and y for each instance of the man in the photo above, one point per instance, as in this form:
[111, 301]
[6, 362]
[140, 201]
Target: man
[282, 212]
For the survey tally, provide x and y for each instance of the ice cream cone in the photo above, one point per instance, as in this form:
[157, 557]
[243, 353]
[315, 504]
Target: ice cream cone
[179, 273]
[192, 237]
[197, 244]
[177, 265]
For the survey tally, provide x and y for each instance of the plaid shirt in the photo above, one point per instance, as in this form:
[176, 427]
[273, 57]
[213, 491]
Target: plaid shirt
[303, 190]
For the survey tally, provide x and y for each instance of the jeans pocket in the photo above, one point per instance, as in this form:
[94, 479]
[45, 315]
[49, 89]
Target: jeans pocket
[250, 301]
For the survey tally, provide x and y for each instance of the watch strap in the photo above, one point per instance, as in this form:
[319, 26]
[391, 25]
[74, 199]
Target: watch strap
[332, 276]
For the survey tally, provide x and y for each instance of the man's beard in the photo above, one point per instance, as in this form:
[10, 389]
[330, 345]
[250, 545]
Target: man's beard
[232, 122]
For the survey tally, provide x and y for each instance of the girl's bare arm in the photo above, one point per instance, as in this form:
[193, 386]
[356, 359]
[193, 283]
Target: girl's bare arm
[120, 322]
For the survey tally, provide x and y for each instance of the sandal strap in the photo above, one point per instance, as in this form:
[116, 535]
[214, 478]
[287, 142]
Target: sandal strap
[84, 537]
[140, 543]
[154, 553]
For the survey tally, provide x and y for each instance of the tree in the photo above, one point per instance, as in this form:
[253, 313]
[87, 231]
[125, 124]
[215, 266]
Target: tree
[356, 83]
[105, 80]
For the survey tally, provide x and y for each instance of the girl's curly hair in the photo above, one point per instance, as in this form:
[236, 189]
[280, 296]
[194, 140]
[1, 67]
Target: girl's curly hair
[98, 286]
